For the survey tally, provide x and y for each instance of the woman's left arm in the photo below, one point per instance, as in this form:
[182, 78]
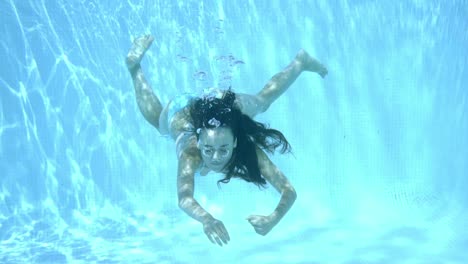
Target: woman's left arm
[263, 224]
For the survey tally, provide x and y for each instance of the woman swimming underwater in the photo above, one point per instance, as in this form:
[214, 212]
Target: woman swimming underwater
[217, 132]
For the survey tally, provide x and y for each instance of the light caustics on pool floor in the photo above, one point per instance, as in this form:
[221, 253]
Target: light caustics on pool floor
[379, 157]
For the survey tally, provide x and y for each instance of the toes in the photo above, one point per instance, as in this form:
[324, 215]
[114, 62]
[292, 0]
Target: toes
[138, 49]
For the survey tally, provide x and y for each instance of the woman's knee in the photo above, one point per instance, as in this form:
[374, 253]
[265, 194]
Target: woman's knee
[252, 105]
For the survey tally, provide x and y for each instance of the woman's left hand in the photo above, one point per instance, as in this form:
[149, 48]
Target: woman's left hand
[262, 224]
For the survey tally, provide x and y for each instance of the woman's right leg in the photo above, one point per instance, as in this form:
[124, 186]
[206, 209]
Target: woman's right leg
[147, 101]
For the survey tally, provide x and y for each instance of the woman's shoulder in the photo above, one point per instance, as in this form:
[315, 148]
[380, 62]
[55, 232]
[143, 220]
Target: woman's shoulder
[188, 152]
[181, 122]
[186, 143]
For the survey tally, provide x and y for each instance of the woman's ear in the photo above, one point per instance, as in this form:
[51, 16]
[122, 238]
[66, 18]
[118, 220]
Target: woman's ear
[235, 142]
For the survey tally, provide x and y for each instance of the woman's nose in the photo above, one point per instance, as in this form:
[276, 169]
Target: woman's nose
[216, 155]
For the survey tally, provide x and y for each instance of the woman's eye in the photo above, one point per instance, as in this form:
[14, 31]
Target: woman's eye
[208, 151]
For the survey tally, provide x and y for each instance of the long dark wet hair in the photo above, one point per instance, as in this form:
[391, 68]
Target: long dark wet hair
[211, 111]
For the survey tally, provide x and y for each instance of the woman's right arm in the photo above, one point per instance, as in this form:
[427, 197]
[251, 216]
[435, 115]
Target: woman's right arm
[188, 163]
[214, 229]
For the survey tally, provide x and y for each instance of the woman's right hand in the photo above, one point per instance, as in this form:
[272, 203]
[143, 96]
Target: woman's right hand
[216, 232]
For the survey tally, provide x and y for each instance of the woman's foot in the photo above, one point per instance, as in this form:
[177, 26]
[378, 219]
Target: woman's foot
[310, 64]
[137, 51]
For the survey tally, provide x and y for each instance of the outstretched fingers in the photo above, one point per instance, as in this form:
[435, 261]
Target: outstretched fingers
[222, 232]
[216, 232]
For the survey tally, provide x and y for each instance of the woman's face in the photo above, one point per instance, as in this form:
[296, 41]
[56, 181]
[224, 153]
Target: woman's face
[216, 147]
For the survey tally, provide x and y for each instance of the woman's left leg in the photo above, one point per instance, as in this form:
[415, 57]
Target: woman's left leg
[279, 83]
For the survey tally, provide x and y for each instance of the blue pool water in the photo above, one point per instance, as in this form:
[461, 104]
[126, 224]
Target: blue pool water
[380, 145]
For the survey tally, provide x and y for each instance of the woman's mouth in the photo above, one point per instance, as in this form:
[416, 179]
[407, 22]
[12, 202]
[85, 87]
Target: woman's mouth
[216, 164]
